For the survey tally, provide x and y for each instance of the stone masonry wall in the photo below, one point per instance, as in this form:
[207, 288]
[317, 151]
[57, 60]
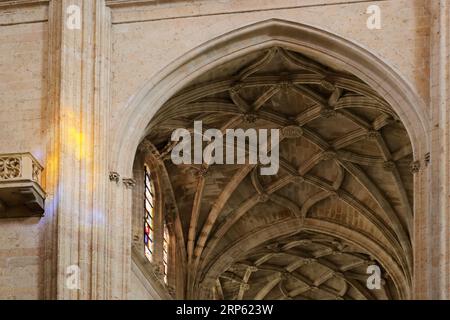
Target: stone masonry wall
[23, 99]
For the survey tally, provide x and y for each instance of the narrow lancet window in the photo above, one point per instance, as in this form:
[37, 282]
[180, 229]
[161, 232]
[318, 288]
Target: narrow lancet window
[149, 210]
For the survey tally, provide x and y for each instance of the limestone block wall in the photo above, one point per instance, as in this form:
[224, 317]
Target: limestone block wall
[23, 100]
[143, 285]
[137, 289]
[146, 39]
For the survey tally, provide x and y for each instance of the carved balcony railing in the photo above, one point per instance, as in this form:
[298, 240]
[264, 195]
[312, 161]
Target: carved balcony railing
[21, 194]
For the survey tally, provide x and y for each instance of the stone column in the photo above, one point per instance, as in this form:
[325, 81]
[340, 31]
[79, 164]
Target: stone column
[432, 234]
[117, 266]
[78, 179]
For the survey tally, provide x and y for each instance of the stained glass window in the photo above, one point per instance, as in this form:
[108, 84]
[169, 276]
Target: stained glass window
[149, 214]
[166, 252]
[149, 228]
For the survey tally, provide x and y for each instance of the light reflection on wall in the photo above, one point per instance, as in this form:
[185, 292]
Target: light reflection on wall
[75, 149]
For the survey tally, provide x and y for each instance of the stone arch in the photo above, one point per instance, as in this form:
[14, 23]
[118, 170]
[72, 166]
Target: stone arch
[296, 37]
[367, 66]
[292, 226]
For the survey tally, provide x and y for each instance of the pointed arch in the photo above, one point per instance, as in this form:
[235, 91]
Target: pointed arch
[379, 75]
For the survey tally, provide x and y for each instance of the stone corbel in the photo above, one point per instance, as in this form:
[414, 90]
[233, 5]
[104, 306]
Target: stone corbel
[129, 183]
[415, 167]
[114, 176]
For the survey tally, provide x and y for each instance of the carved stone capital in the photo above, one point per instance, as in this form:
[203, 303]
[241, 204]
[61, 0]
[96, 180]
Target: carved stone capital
[129, 183]
[114, 176]
[415, 167]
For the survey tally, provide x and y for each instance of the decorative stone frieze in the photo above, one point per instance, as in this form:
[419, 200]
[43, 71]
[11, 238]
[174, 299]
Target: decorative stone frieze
[21, 194]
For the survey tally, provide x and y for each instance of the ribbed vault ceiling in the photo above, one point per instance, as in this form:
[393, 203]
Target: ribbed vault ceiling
[341, 200]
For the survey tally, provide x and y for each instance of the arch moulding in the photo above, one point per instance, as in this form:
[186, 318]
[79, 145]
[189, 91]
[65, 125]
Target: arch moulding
[296, 37]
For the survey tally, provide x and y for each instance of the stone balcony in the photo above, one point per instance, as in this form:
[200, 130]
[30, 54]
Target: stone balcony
[21, 194]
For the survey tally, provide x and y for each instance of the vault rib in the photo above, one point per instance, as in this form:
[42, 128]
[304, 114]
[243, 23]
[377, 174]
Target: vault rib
[392, 168]
[241, 98]
[148, 148]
